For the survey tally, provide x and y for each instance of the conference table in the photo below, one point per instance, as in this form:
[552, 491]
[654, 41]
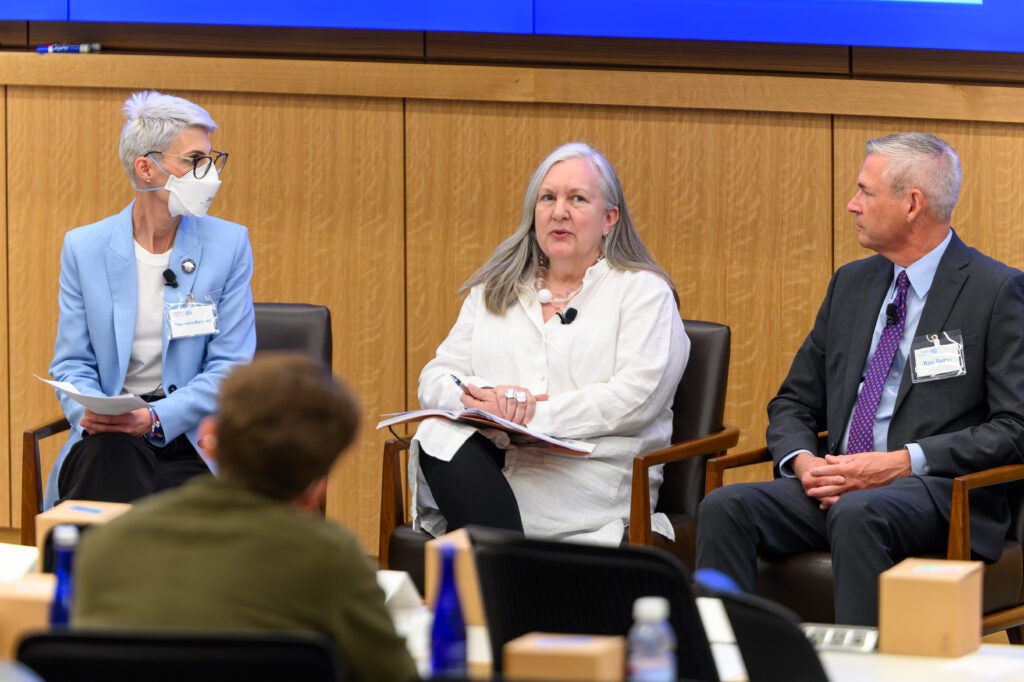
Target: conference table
[991, 662]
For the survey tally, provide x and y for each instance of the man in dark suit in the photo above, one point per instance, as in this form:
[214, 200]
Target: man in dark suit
[915, 367]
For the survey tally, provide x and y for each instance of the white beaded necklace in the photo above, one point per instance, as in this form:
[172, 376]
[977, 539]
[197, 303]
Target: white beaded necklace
[544, 295]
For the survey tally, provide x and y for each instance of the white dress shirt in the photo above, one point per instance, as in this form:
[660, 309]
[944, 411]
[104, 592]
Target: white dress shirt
[610, 376]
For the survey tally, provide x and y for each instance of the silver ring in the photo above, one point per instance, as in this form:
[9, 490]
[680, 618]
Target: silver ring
[521, 397]
[510, 393]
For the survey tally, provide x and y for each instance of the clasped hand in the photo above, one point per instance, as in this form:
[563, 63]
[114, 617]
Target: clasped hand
[134, 423]
[828, 478]
[493, 400]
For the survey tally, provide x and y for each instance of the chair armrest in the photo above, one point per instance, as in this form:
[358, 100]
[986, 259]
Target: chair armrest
[959, 546]
[31, 475]
[718, 465]
[640, 497]
[392, 500]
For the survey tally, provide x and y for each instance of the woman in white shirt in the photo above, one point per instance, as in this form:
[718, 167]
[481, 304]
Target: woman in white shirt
[572, 328]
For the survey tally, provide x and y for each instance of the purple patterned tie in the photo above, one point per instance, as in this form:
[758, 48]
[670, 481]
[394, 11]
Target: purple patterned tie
[862, 436]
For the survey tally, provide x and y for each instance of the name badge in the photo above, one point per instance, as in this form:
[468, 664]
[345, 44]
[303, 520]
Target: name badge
[938, 356]
[191, 318]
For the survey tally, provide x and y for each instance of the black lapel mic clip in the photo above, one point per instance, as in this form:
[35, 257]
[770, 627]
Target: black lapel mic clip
[568, 316]
[890, 314]
[170, 279]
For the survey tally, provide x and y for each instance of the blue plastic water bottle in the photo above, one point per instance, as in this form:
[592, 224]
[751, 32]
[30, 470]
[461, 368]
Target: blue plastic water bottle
[448, 634]
[652, 643]
[65, 541]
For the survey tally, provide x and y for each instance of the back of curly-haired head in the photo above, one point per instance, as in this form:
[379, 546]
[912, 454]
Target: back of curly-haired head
[283, 421]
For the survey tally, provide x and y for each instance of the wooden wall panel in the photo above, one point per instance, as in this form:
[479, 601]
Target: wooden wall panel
[988, 215]
[937, 64]
[318, 181]
[735, 206]
[68, 140]
[674, 54]
[825, 95]
[6, 475]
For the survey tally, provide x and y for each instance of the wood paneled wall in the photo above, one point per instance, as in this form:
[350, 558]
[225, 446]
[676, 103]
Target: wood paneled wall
[377, 188]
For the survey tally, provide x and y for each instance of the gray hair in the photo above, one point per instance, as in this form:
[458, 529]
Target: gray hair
[924, 161]
[154, 121]
[511, 268]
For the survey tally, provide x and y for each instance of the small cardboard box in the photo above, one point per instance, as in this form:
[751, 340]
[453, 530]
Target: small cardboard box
[541, 656]
[75, 512]
[930, 607]
[466, 580]
[24, 607]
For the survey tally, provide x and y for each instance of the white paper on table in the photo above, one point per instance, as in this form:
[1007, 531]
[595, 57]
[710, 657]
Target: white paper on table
[100, 404]
[16, 561]
[399, 590]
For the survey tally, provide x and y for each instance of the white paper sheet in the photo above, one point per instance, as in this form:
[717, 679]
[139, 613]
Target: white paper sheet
[118, 404]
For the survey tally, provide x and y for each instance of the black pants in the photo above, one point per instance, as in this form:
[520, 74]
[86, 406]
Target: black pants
[867, 531]
[470, 489]
[116, 467]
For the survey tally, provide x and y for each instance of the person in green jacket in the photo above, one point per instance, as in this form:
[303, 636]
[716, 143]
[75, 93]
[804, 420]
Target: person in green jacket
[247, 549]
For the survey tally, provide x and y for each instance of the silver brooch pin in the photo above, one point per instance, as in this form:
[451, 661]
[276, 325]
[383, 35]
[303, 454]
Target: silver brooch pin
[188, 266]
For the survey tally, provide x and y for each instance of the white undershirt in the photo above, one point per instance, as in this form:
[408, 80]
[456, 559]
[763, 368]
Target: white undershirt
[144, 366]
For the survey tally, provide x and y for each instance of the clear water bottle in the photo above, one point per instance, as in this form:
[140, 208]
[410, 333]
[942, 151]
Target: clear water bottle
[652, 643]
[65, 541]
[448, 634]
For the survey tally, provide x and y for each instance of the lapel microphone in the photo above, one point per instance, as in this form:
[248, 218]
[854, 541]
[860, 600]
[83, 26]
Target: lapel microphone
[568, 316]
[890, 314]
[170, 279]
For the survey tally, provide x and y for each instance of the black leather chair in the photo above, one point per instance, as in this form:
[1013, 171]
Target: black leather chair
[181, 656]
[279, 326]
[563, 587]
[698, 433]
[768, 635]
[803, 582]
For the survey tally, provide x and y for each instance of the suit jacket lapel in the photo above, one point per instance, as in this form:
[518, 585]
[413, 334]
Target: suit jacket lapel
[949, 280]
[186, 247]
[868, 302]
[122, 278]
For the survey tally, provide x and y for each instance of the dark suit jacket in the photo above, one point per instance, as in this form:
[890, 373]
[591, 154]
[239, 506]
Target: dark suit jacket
[962, 424]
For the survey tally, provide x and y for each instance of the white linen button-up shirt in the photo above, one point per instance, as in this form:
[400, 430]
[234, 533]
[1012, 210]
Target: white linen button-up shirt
[610, 376]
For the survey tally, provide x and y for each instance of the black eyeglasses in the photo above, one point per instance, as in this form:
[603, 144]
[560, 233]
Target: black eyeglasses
[200, 164]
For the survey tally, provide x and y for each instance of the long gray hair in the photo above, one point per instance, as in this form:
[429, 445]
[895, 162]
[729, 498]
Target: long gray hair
[510, 269]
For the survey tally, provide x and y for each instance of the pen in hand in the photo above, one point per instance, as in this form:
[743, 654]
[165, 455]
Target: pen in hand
[458, 382]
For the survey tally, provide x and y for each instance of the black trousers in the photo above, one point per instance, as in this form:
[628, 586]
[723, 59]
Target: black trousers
[116, 467]
[470, 489]
[867, 531]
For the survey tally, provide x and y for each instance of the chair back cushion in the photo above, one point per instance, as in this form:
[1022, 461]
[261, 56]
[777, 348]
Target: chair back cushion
[561, 587]
[129, 656]
[770, 640]
[698, 410]
[294, 327]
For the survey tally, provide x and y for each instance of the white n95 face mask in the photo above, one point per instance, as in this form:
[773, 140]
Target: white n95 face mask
[190, 195]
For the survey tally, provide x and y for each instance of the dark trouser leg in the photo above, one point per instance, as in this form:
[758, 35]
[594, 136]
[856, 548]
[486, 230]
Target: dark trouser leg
[177, 462]
[470, 489]
[116, 467]
[870, 531]
[737, 522]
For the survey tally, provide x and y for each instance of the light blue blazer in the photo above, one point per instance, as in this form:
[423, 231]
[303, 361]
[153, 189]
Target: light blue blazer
[98, 299]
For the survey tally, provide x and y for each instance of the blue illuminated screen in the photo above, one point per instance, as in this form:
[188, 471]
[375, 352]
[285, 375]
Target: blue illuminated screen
[983, 25]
